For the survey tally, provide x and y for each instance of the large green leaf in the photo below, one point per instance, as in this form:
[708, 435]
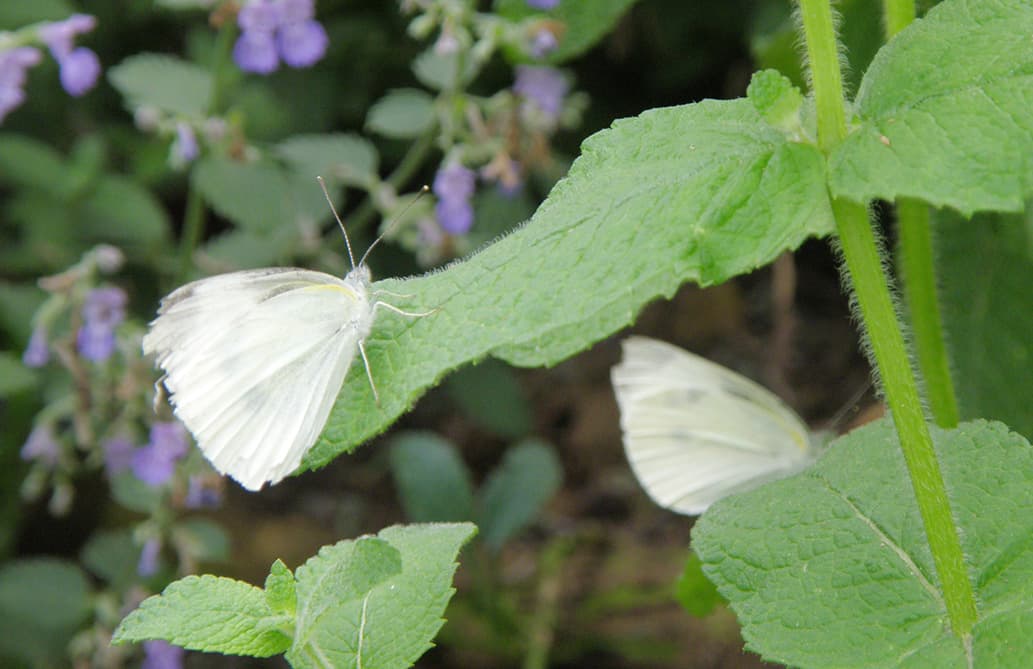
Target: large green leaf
[985, 267]
[172, 85]
[831, 567]
[43, 602]
[694, 193]
[944, 112]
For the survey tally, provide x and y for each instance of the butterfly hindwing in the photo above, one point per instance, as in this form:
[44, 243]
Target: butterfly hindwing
[695, 432]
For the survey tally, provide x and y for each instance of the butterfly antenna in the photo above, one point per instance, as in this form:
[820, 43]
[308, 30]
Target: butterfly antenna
[347, 242]
[837, 420]
[392, 224]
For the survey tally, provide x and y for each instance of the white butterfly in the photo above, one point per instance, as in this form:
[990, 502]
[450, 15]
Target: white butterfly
[254, 360]
[695, 432]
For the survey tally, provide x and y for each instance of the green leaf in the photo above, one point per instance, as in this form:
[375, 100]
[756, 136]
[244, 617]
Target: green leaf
[170, 84]
[585, 23]
[242, 249]
[403, 113]
[831, 567]
[777, 100]
[280, 589]
[18, 303]
[29, 163]
[694, 591]
[432, 481]
[260, 198]
[113, 556]
[121, 212]
[516, 492]
[350, 159]
[440, 71]
[985, 269]
[208, 613]
[944, 114]
[43, 602]
[491, 396]
[14, 15]
[376, 603]
[202, 540]
[14, 376]
[694, 193]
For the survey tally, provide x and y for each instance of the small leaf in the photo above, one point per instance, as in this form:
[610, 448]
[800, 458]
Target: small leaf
[831, 567]
[208, 613]
[42, 602]
[172, 85]
[15, 377]
[440, 71]
[244, 249]
[516, 492]
[29, 163]
[113, 556]
[433, 483]
[695, 592]
[202, 539]
[350, 159]
[777, 100]
[255, 197]
[585, 23]
[121, 212]
[491, 396]
[403, 113]
[281, 590]
[944, 112]
[14, 15]
[360, 618]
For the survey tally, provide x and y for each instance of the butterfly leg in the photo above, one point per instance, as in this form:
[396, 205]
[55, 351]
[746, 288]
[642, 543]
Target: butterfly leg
[410, 314]
[369, 372]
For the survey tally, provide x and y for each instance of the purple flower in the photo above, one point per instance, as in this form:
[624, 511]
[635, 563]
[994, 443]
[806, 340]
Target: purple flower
[79, 71]
[155, 463]
[148, 564]
[37, 353]
[13, 66]
[545, 5]
[275, 29]
[185, 148]
[60, 35]
[102, 311]
[162, 655]
[42, 445]
[543, 42]
[118, 455]
[544, 86]
[202, 492]
[303, 43]
[454, 185]
[256, 52]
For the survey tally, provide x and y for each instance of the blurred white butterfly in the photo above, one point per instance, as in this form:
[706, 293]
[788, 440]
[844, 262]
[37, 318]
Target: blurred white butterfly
[254, 360]
[695, 432]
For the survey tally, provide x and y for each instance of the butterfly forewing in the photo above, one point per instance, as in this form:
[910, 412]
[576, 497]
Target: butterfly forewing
[695, 432]
[253, 361]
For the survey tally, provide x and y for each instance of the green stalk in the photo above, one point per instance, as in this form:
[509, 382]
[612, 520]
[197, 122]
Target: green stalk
[898, 15]
[193, 229]
[918, 278]
[870, 284]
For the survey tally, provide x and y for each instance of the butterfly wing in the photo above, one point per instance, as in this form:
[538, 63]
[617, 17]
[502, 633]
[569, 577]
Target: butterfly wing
[253, 362]
[695, 431]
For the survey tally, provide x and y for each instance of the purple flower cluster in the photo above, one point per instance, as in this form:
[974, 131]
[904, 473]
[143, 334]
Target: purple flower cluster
[454, 185]
[155, 463]
[118, 455]
[544, 87]
[79, 66]
[103, 310]
[544, 5]
[278, 29]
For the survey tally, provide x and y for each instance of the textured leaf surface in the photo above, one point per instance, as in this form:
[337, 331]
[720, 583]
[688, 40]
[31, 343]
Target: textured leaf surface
[377, 602]
[831, 567]
[694, 193]
[207, 613]
[170, 84]
[946, 112]
[985, 267]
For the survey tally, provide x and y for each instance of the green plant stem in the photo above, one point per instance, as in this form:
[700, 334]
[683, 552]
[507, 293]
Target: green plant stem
[870, 284]
[543, 623]
[193, 229]
[918, 278]
[898, 15]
